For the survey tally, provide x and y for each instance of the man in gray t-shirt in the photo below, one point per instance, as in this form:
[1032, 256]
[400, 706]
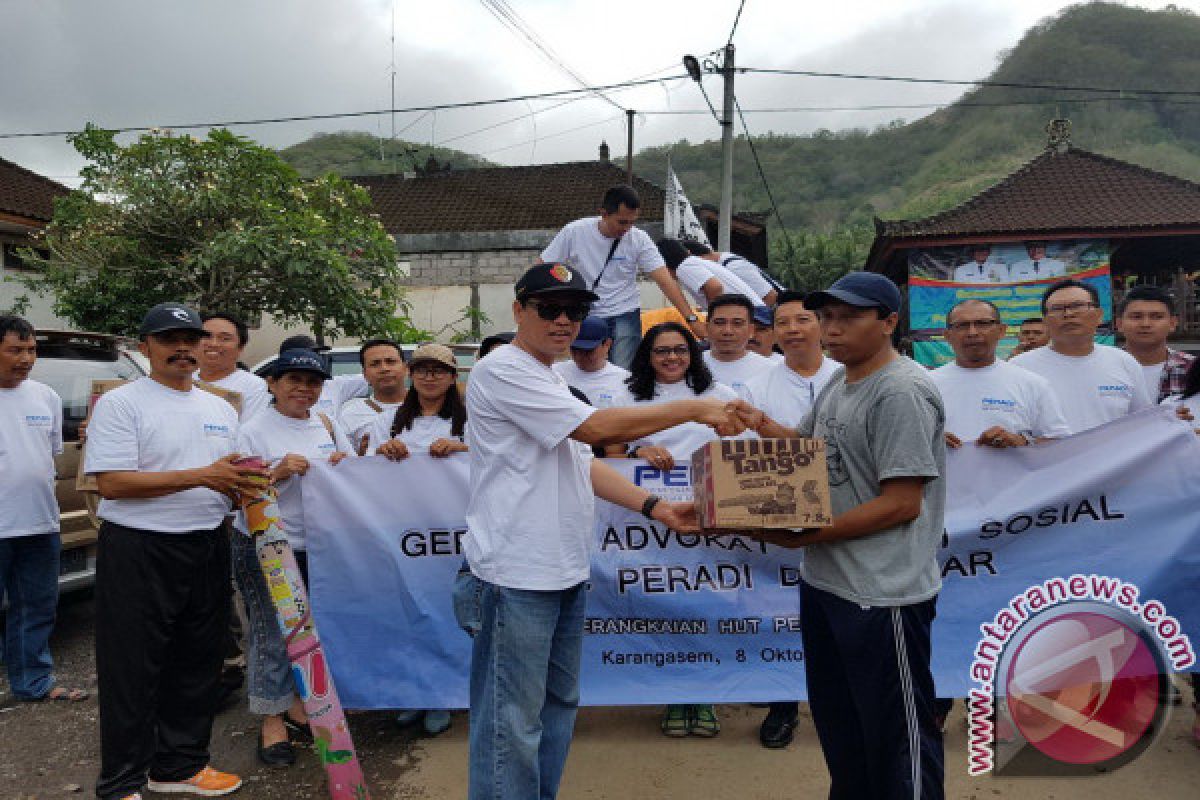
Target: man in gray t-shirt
[871, 579]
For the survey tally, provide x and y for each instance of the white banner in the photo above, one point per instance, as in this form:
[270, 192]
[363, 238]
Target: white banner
[679, 219]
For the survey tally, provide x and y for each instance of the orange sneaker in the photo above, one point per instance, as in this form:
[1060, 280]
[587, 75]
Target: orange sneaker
[205, 783]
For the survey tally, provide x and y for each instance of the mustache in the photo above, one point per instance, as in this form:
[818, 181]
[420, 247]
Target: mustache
[181, 357]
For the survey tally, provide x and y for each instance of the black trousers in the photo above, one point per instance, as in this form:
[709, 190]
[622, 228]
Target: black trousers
[162, 610]
[871, 692]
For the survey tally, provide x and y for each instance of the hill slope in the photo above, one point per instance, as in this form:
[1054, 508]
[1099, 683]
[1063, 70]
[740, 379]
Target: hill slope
[354, 153]
[827, 181]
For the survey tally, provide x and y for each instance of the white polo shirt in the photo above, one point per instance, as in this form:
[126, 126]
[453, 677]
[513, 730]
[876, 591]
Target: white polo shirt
[531, 511]
[144, 426]
[30, 437]
[1094, 389]
[737, 374]
[602, 387]
[785, 395]
[271, 436]
[582, 247]
[338, 390]
[1001, 394]
[252, 388]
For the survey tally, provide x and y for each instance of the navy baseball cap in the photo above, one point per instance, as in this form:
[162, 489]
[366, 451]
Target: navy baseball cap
[300, 361]
[763, 316]
[553, 279]
[592, 333]
[862, 289]
[171, 317]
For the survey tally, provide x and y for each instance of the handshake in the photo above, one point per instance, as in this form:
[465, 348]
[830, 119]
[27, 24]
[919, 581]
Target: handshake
[731, 418]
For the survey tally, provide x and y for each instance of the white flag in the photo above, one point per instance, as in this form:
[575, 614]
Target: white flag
[679, 220]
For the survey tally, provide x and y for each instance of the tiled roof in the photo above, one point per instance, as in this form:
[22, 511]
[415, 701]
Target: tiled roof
[1069, 190]
[27, 194]
[542, 197]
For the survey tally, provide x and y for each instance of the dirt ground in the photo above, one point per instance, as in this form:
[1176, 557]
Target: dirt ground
[52, 751]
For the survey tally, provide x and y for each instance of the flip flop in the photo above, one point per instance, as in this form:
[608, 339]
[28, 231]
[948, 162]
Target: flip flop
[60, 694]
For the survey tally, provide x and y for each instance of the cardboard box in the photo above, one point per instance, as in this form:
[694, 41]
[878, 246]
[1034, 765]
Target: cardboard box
[762, 483]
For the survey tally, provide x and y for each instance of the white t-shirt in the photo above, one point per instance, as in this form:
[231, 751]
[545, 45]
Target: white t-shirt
[338, 390]
[999, 394]
[425, 431]
[694, 272]
[147, 427]
[602, 387]
[271, 436]
[1153, 378]
[737, 374]
[785, 395]
[682, 440]
[748, 272]
[357, 417]
[252, 388]
[30, 437]
[1094, 389]
[531, 511]
[582, 247]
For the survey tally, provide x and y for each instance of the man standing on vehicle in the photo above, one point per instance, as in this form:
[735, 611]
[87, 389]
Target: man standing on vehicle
[30, 437]
[610, 253]
[163, 455]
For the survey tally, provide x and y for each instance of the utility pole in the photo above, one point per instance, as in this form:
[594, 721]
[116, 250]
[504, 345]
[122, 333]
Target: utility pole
[726, 211]
[629, 112]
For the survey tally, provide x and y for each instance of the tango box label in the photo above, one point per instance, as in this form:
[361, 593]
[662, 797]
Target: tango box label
[762, 483]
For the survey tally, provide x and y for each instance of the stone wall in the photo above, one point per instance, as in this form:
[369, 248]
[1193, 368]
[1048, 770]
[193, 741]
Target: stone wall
[463, 267]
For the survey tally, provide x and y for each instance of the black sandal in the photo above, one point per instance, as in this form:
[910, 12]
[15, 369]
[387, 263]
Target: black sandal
[301, 730]
[280, 754]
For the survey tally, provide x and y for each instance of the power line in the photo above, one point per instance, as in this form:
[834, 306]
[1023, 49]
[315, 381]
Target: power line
[922, 106]
[761, 173]
[508, 17]
[949, 82]
[351, 114]
[593, 124]
[736, 20]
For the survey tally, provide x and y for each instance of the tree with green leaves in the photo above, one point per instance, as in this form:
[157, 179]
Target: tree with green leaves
[811, 261]
[221, 223]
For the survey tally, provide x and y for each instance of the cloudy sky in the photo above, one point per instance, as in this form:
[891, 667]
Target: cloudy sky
[122, 63]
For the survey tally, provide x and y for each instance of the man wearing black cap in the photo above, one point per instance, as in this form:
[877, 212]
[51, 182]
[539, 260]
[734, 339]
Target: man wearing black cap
[162, 452]
[589, 369]
[530, 531]
[870, 581]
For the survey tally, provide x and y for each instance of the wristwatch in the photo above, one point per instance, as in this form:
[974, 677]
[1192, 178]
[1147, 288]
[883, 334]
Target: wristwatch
[648, 506]
[692, 318]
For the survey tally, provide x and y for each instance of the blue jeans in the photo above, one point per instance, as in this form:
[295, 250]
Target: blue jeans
[524, 691]
[29, 575]
[626, 332]
[269, 684]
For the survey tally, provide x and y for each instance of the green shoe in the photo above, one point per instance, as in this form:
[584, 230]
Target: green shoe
[675, 721]
[704, 722]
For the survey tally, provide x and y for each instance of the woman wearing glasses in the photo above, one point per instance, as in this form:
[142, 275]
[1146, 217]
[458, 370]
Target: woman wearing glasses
[433, 419]
[668, 366]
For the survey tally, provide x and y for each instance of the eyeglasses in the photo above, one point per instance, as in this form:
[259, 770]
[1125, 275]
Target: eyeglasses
[551, 311]
[982, 325]
[429, 372]
[678, 350]
[1070, 308]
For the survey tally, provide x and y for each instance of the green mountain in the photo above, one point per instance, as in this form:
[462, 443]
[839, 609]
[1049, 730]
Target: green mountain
[829, 181]
[354, 153]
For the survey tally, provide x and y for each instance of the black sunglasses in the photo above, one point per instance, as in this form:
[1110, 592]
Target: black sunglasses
[551, 311]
